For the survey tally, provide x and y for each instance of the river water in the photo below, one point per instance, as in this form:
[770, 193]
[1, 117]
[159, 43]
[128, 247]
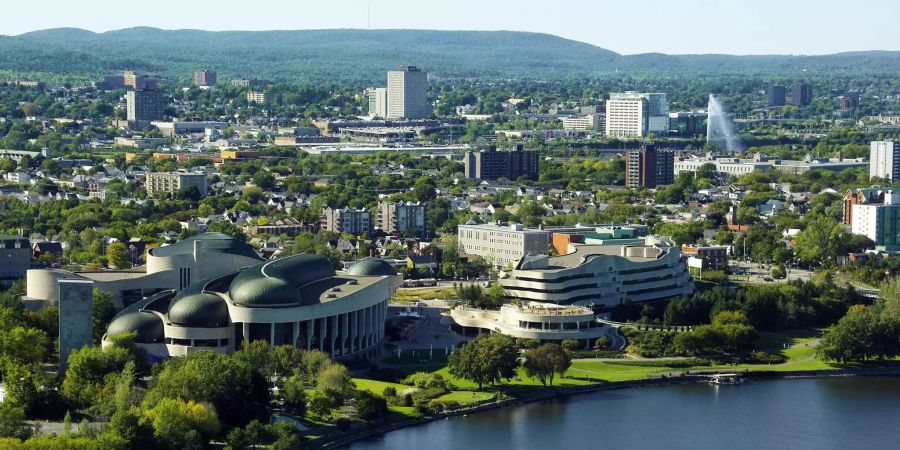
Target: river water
[812, 413]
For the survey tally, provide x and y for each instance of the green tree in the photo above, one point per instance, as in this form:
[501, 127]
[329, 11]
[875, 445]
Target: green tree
[12, 422]
[294, 395]
[486, 360]
[117, 255]
[182, 424]
[546, 361]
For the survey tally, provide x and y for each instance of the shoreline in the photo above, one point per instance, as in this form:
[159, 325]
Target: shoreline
[569, 391]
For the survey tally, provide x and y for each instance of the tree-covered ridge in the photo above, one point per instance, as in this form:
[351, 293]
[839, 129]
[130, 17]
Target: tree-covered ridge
[366, 54]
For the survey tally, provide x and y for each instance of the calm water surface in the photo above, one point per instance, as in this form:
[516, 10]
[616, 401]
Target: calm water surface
[823, 413]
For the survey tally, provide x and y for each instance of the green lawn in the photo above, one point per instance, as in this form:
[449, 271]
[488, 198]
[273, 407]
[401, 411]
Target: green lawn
[415, 295]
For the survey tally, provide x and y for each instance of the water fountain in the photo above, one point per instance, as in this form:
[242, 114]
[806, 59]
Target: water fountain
[719, 127]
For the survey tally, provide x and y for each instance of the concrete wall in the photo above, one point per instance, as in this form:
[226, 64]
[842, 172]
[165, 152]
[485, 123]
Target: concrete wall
[76, 326]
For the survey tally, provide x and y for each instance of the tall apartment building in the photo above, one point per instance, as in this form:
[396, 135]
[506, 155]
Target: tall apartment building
[377, 102]
[204, 78]
[401, 217]
[143, 107]
[346, 220]
[490, 164]
[258, 97]
[649, 167]
[801, 94]
[407, 93]
[874, 213]
[777, 95]
[884, 160]
[502, 246]
[172, 182]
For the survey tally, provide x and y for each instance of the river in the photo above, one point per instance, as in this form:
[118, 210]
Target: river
[810, 413]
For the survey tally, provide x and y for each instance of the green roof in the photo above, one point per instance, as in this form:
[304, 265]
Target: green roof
[212, 243]
[368, 267]
[276, 283]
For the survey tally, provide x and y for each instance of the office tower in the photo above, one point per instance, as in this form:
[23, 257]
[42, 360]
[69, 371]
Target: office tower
[144, 106]
[849, 101]
[801, 95]
[377, 102]
[634, 114]
[407, 94]
[649, 167]
[204, 78]
[884, 160]
[490, 164]
[135, 81]
[777, 94]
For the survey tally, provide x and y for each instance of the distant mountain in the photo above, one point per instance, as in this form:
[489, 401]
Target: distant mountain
[365, 55]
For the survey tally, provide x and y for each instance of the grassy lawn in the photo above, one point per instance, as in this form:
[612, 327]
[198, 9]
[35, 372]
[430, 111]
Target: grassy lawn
[415, 295]
[466, 396]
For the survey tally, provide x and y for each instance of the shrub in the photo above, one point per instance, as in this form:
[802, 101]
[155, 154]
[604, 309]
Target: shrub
[389, 391]
[425, 380]
[443, 405]
[571, 344]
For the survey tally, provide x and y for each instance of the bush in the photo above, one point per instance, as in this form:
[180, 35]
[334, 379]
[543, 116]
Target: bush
[767, 358]
[389, 391]
[571, 344]
[597, 354]
[674, 363]
[529, 343]
[425, 380]
[429, 393]
[443, 405]
[602, 342]
[400, 400]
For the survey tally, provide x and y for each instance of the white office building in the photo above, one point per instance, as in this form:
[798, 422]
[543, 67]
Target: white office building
[377, 102]
[502, 246]
[633, 114]
[884, 160]
[407, 93]
[587, 122]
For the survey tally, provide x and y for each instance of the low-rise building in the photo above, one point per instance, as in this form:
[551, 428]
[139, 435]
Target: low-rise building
[602, 275]
[713, 257]
[172, 182]
[15, 258]
[402, 217]
[346, 220]
[257, 97]
[502, 246]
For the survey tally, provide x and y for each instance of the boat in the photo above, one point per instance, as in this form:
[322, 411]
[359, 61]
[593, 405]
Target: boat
[725, 378]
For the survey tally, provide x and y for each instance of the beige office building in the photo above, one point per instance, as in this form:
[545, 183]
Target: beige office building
[407, 94]
[172, 182]
[502, 246]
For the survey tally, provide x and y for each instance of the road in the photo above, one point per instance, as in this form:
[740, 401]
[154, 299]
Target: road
[757, 273]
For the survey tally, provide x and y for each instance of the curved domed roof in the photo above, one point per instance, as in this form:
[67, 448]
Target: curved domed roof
[368, 267]
[275, 283]
[147, 326]
[212, 242]
[201, 309]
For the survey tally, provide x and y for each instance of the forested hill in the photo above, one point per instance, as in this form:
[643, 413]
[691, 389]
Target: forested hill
[364, 55]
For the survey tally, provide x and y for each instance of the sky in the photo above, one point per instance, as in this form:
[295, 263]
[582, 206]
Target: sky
[624, 26]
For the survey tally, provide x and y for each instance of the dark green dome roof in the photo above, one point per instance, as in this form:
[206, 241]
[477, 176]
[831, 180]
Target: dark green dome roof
[275, 283]
[201, 309]
[368, 267]
[212, 243]
[147, 326]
